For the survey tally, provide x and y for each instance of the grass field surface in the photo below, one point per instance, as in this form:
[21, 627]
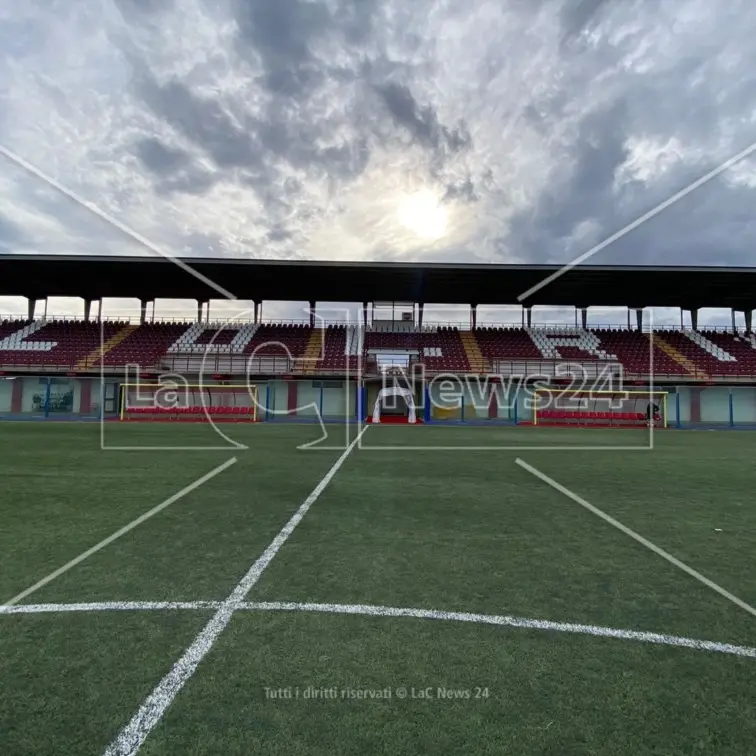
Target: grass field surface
[392, 600]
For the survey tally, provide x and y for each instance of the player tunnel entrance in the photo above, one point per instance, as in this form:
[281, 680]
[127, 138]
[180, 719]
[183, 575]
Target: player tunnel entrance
[394, 403]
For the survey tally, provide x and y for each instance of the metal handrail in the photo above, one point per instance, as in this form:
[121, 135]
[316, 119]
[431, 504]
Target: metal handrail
[427, 326]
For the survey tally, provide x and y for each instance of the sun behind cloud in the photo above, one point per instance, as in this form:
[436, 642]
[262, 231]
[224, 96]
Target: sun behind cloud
[424, 215]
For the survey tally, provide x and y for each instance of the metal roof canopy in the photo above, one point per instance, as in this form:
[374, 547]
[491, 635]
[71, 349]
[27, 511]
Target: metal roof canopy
[147, 278]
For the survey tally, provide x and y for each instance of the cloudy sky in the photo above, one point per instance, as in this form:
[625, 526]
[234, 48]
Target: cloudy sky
[446, 130]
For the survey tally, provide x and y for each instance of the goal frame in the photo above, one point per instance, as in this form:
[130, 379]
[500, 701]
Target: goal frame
[591, 394]
[252, 389]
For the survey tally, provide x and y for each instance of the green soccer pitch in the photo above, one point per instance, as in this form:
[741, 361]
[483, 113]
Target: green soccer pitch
[378, 600]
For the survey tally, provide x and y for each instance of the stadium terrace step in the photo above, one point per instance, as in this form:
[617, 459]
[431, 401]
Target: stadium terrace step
[659, 342]
[478, 363]
[308, 362]
[94, 357]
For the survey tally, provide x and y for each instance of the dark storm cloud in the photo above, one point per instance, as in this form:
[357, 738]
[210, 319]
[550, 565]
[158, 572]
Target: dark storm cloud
[202, 121]
[680, 113]
[463, 191]
[133, 8]
[277, 234]
[174, 169]
[578, 15]
[256, 147]
[542, 126]
[289, 127]
[714, 225]
[580, 188]
[159, 158]
[422, 121]
[282, 33]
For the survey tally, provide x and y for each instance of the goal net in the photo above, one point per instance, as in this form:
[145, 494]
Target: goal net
[599, 408]
[229, 403]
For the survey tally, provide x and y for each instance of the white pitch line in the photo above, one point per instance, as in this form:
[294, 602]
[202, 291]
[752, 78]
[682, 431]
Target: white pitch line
[661, 639]
[125, 529]
[369, 610]
[107, 606]
[635, 536]
[134, 734]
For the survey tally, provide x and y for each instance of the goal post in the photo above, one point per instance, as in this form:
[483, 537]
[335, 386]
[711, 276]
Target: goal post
[189, 403]
[552, 406]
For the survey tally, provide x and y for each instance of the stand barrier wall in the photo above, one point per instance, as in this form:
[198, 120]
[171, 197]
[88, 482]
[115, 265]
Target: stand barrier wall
[58, 398]
[52, 398]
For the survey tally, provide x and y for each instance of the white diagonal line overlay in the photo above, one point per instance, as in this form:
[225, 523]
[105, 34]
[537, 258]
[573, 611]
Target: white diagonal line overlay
[635, 536]
[742, 155]
[124, 229]
[370, 610]
[125, 529]
[132, 737]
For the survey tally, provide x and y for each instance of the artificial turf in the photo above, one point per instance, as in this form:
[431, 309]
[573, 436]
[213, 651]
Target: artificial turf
[459, 529]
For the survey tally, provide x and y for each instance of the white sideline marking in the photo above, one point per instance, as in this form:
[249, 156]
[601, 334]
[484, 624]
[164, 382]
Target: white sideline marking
[125, 529]
[505, 620]
[107, 606]
[661, 639]
[133, 735]
[635, 536]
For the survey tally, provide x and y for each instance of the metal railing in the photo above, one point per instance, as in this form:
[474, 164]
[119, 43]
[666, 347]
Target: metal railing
[284, 366]
[462, 325]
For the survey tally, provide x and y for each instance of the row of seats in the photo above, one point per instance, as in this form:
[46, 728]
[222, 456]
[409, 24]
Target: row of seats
[585, 415]
[67, 343]
[194, 410]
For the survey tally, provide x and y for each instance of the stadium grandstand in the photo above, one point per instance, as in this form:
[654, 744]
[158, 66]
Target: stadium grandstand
[370, 533]
[330, 367]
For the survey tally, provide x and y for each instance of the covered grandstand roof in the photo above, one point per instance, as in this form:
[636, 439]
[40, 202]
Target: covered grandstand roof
[40, 276]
